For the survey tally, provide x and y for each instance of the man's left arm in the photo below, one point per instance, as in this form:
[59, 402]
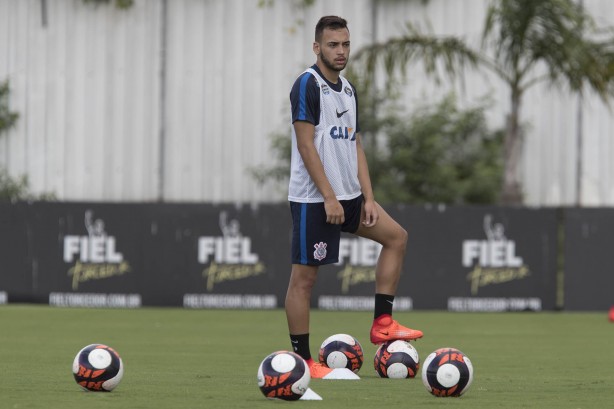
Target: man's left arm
[364, 179]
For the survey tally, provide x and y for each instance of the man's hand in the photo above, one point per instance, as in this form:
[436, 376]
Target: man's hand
[371, 215]
[334, 211]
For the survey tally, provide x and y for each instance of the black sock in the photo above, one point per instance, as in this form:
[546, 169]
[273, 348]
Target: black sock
[300, 345]
[383, 305]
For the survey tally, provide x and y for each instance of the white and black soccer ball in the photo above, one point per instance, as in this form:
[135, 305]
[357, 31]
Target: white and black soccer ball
[447, 372]
[98, 368]
[341, 351]
[283, 375]
[396, 359]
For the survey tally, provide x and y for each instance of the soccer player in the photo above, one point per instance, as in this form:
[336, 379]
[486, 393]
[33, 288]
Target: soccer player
[330, 192]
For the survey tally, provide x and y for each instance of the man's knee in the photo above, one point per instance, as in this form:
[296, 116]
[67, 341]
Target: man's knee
[398, 240]
[303, 278]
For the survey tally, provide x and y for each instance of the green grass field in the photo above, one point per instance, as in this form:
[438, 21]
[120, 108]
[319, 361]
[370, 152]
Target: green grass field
[176, 358]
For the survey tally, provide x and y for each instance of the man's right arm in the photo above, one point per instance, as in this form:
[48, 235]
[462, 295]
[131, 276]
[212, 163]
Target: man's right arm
[304, 140]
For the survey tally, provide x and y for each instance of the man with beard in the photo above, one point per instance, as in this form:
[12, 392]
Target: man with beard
[330, 192]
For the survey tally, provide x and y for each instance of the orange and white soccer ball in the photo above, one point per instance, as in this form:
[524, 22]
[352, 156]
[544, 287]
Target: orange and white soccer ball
[396, 359]
[341, 351]
[283, 375]
[98, 368]
[447, 372]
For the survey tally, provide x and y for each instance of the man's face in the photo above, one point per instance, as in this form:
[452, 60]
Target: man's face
[334, 48]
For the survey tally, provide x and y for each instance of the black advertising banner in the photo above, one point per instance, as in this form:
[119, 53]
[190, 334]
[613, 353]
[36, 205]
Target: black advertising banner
[480, 258]
[129, 255]
[220, 256]
[589, 257]
[16, 269]
[88, 254]
[226, 256]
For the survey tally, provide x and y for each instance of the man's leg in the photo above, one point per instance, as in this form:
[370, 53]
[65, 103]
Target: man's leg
[298, 304]
[393, 238]
[298, 297]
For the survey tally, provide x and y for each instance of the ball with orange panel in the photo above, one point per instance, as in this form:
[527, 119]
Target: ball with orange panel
[283, 375]
[396, 359]
[447, 372]
[98, 368]
[341, 351]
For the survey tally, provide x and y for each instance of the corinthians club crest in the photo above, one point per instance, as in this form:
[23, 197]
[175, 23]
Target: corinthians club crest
[320, 251]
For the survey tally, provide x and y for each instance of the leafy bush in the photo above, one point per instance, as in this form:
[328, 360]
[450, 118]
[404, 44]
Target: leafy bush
[13, 189]
[439, 154]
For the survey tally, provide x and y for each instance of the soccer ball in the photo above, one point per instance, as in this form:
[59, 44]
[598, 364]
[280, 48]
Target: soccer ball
[341, 351]
[98, 368]
[283, 375]
[447, 372]
[396, 359]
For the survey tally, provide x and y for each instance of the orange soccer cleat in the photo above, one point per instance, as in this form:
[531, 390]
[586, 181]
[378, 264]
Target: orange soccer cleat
[611, 315]
[317, 369]
[386, 329]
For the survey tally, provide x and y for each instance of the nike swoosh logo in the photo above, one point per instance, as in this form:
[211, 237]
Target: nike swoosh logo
[340, 114]
[294, 342]
[383, 332]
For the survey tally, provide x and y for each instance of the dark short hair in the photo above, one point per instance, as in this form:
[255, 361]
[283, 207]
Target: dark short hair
[330, 22]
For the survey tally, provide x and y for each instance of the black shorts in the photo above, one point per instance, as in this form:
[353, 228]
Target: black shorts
[316, 242]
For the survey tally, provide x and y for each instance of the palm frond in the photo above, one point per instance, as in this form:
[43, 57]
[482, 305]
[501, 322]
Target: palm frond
[445, 53]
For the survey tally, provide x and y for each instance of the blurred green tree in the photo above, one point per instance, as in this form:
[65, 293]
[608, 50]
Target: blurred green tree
[13, 189]
[524, 42]
[439, 154]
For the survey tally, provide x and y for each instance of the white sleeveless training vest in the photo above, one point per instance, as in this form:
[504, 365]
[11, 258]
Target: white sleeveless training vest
[335, 141]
